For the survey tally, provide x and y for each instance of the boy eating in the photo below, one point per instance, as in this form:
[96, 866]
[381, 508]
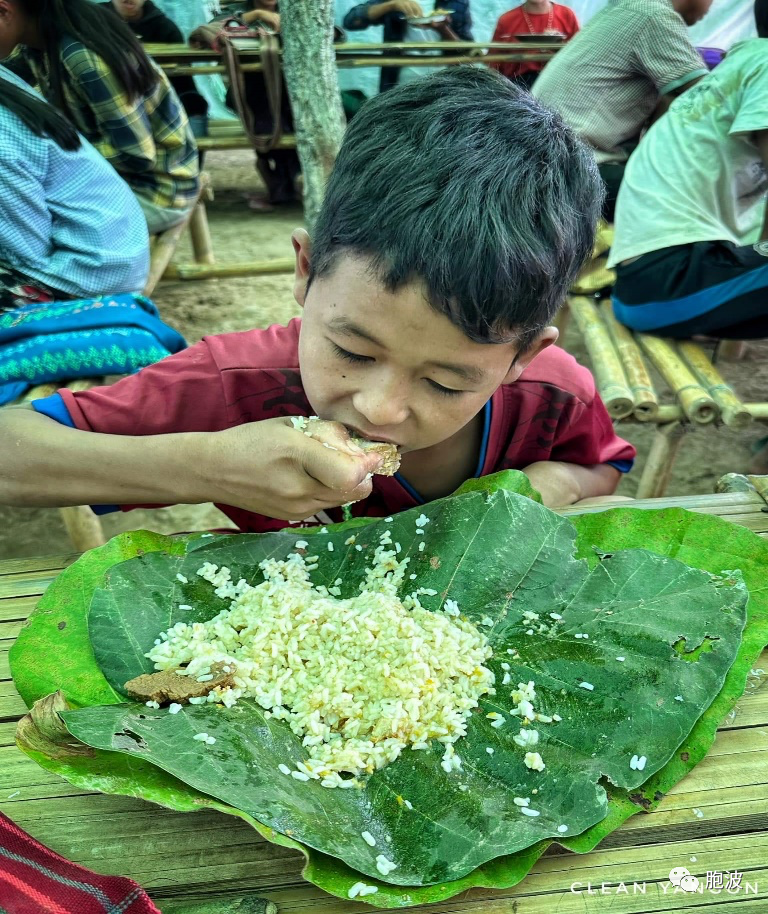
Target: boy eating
[458, 213]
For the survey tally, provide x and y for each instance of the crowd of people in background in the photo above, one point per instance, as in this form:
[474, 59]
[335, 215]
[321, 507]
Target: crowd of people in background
[681, 150]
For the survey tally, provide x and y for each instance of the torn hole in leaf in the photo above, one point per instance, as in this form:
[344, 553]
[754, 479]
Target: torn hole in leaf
[693, 655]
[128, 742]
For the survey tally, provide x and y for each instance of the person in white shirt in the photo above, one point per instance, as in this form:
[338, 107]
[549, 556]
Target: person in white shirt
[691, 242]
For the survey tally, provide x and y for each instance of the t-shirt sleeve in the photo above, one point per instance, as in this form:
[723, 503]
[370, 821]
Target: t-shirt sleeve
[181, 393]
[752, 100]
[664, 53]
[586, 436]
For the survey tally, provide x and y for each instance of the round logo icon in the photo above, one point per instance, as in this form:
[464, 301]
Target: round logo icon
[679, 876]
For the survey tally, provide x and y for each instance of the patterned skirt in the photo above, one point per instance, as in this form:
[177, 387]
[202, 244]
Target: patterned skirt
[17, 290]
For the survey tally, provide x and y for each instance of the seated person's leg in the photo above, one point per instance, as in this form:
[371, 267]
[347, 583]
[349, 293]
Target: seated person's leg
[160, 218]
[710, 287]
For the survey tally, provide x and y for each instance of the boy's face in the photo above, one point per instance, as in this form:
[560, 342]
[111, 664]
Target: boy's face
[386, 364]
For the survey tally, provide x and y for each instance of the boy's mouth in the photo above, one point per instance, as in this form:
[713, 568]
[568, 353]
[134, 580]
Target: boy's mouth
[371, 436]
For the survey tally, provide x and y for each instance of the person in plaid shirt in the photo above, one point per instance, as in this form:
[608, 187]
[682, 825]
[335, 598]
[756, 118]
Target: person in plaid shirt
[90, 66]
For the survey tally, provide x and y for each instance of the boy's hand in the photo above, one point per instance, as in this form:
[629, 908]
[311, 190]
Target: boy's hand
[272, 468]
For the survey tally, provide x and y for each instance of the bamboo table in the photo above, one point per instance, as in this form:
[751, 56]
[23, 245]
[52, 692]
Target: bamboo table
[179, 59]
[715, 821]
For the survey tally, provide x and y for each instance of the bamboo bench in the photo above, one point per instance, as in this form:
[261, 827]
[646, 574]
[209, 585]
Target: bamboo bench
[625, 365]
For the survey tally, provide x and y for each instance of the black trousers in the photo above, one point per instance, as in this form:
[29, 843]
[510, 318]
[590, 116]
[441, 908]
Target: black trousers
[687, 276]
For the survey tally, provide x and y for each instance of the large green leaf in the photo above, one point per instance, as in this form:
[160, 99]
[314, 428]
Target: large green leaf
[702, 541]
[501, 556]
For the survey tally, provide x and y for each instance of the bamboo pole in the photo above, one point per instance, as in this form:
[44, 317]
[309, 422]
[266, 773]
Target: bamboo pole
[646, 401]
[603, 239]
[219, 270]
[593, 278]
[606, 364]
[696, 402]
[83, 527]
[200, 235]
[731, 408]
[670, 412]
[658, 467]
[239, 141]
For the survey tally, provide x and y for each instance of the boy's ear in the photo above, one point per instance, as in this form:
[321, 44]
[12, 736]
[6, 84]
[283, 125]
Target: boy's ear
[302, 247]
[546, 338]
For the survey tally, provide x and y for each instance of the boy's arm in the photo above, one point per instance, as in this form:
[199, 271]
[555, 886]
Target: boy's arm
[268, 467]
[563, 483]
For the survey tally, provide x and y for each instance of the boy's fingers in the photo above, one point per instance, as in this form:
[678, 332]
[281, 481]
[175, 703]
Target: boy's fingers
[341, 472]
[332, 435]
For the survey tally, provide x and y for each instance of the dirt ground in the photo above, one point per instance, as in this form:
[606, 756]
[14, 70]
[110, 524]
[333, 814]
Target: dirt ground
[222, 305]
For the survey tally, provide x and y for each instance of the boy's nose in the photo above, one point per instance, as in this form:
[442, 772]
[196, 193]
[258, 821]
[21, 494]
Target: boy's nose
[381, 406]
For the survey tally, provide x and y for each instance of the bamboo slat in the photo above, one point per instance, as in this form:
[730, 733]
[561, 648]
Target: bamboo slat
[606, 364]
[695, 401]
[732, 410]
[761, 485]
[603, 239]
[646, 402]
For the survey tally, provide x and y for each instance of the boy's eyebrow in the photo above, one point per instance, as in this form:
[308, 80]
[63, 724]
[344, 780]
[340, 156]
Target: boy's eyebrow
[467, 372]
[342, 325]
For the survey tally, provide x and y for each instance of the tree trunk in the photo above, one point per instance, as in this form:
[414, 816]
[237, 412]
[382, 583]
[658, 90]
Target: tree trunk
[309, 64]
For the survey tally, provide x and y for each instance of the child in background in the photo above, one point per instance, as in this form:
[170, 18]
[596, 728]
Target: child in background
[458, 214]
[534, 17]
[70, 226]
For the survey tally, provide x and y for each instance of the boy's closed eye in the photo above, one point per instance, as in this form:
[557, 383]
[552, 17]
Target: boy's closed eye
[357, 359]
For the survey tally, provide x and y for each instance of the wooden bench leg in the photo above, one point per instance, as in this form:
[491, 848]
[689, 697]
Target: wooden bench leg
[83, 527]
[658, 467]
[200, 235]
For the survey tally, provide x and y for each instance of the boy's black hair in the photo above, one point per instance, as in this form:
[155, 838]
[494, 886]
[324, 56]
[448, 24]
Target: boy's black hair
[101, 32]
[761, 18]
[466, 182]
[41, 118]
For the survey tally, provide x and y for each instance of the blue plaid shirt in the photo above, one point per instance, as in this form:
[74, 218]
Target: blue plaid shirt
[67, 219]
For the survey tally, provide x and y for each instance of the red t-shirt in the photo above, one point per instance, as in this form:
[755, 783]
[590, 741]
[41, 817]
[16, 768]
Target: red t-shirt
[513, 23]
[552, 412]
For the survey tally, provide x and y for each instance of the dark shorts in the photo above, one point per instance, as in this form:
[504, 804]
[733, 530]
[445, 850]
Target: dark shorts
[709, 287]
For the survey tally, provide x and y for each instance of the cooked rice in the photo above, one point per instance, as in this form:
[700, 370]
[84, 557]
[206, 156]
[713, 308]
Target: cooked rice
[358, 680]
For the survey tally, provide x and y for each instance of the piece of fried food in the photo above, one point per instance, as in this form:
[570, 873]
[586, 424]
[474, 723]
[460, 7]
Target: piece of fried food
[390, 463]
[314, 427]
[169, 685]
